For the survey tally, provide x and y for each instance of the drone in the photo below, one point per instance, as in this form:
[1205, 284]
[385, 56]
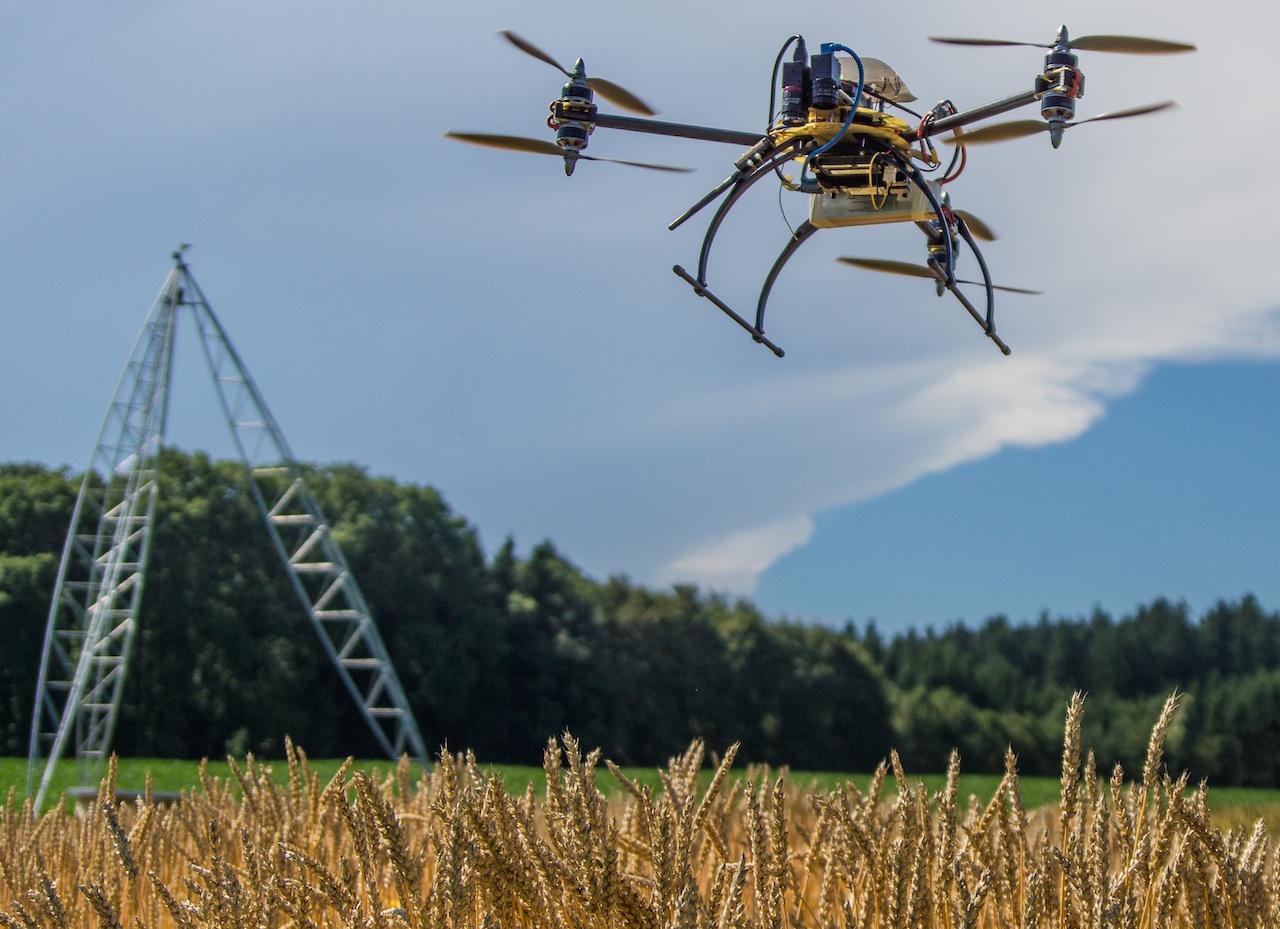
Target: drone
[859, 164]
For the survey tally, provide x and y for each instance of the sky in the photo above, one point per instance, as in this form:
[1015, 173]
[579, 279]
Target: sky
[477, 321]
[1169, 495]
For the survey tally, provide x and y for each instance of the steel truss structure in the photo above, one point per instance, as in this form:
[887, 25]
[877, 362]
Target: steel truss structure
[93, 616]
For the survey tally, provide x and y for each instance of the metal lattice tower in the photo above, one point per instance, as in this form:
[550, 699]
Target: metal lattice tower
[93, 616]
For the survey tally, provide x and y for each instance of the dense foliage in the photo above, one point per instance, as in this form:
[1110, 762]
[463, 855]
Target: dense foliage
[499, 652]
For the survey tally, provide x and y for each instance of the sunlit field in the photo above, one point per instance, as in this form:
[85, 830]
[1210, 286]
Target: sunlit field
[586, 844]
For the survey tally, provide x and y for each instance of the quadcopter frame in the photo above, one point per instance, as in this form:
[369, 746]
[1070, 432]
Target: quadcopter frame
[822, 124]
[768, 152]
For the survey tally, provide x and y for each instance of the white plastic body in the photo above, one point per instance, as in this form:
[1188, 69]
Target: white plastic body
[834, 209]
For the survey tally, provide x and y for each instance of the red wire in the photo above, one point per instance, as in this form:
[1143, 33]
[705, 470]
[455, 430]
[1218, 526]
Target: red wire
[964, 159]
[924, 121]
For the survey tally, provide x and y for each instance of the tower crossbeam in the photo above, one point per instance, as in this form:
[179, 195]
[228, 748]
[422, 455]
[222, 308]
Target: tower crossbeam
[94, 610]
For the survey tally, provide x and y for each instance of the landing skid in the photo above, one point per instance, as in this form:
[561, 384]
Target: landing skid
[763, 160]
[702, 291]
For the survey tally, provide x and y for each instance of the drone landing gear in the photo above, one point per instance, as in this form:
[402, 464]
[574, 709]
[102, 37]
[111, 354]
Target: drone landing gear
[987, 326]
[801, 235]
[737, 184]
[943, 266]
[702, 291]
[987, 322]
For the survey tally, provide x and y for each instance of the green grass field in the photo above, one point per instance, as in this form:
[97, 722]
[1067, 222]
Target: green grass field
[1231, 805]
[175, 775]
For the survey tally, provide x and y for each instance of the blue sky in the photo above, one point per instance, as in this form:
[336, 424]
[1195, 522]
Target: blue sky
[1171, 494]
[475, 320]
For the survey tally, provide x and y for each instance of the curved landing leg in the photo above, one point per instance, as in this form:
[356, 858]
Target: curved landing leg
[740, 187]
[986, 275]
[949, 271]
[988, 323]
[977, 317]
[798, 238]
[801, 235]
[737, 186]
[946, 274]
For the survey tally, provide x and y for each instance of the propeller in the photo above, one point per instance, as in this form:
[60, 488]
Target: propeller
[980, 229]
[1129, 44]
[913, 270]
[619, 96]
[515, 143]
[1018, 128]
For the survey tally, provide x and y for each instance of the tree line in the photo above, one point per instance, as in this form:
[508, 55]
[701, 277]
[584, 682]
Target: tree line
[499, 651]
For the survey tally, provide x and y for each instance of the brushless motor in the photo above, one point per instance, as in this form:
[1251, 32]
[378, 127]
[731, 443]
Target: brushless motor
[1061, 84]
[572, 135]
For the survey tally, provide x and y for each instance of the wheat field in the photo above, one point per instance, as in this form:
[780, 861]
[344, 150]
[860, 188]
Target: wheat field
[454, 849]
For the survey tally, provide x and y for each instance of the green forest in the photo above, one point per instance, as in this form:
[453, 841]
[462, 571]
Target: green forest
[499, 651]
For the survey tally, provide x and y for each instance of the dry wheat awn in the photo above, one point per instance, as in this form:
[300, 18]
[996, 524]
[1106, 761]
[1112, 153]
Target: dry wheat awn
[457, 851]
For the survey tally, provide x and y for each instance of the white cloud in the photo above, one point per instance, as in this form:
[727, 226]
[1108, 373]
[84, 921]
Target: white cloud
[734, 562]
[938, 422]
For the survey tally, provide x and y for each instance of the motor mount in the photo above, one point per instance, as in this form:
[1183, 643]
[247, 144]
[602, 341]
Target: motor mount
[577, 99]
[1060, 85]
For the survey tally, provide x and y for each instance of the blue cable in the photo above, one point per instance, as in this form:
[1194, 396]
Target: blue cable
[828, 47]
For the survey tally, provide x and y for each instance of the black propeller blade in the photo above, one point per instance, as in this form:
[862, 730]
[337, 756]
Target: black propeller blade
[1127, 44]
[1019, 128]
[619, 96]
[515, 143]
[908, 269]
